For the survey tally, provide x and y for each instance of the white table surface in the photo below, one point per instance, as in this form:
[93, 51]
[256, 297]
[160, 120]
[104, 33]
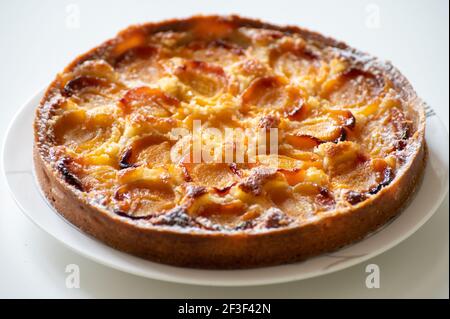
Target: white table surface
[38, 38]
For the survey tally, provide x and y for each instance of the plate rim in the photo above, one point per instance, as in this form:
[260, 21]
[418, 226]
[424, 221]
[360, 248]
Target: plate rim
[170, 277]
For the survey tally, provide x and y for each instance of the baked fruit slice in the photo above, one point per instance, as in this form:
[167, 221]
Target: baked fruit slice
[350, 143]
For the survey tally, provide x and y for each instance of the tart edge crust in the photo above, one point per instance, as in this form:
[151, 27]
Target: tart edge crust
[220, 250]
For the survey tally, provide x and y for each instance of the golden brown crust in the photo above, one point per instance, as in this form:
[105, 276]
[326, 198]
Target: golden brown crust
[173, 238]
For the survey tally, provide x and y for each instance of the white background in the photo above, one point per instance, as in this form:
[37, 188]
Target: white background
[38, 38]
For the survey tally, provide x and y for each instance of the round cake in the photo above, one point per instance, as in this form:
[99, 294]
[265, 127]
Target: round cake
[226, 142]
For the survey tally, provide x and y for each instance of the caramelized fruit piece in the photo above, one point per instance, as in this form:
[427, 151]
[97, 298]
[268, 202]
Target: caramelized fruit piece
[144, 52]
[155, 155]
[384, 175]
[306, 189]
[289, 167]
[224, 190]
[352, 87]
[66, 166]
[344, 118]
[269, 93]
[94, 69]
[232, 208]
[293, 59]
[80, 131]
[156, 101]
[151, 119]
[91, 80]
[356, 176]
[294, 176]
[215, 175]
[325, 198]
[324, 129]
[306, 156]
[303, 141]
[139, 65]
[204, 78]
[305, 194]
[354, 197]
[80, 83]
[143, 192]
[306, 176]
[99, 177]
[367, 178]
[297, 112]
[217, 51]
[138, 202]
[275, 218]
[388, 177]
[199, 202]
[379, 173]
[150, 150]
[143, 176]
[335, 127]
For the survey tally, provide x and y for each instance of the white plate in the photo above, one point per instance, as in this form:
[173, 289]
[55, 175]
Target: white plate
[18, 169]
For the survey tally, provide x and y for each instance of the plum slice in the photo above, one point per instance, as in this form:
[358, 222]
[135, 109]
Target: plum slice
[90, 78]
[201, 202]
[149, 150]
[275, 218]
[344, 118]
[297, 112]
[155, 100]
[380, 174]
[269, 93]
[289, 167]
[218, 51]
[219, 176]
[388, 177]
[65, 165]
[145, 52]
[303, 141]
[81, 131]
[204, 78]
[353, 87]
[334, 127]
[80, 83]
[402, 128]
[139, 65]
[294, 60]
[355, 197]
[143, 192]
